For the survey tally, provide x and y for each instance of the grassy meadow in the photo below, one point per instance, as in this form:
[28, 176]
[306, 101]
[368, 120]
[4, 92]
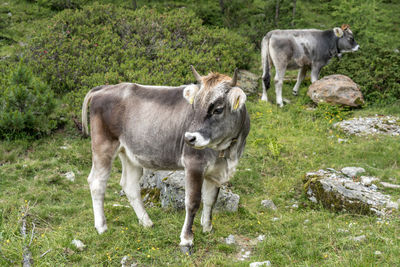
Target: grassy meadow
[283, 145]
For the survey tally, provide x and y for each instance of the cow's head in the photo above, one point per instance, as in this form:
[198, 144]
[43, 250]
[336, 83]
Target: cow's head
[218, 116]
[346, 42]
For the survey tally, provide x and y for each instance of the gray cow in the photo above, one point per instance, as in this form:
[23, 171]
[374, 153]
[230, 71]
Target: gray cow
[200, 128]
[301, 49]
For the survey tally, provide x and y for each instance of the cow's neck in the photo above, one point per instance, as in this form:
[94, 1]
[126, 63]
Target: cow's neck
[225, 153]
[335, 51]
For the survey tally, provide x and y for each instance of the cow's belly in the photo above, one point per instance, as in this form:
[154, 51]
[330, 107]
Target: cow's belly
[149, 157]
[297, 63]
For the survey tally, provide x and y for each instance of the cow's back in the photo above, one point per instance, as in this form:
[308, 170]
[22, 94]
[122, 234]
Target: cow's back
[149, 121]
[293, 48]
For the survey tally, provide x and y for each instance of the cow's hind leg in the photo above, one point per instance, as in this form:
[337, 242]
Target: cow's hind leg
[280, 74]
[131, 174]
[193, 184]
[300, 78]
[210, 194]
[103, 155]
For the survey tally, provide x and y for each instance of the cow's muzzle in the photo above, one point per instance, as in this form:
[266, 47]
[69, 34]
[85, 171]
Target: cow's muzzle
[196, 140]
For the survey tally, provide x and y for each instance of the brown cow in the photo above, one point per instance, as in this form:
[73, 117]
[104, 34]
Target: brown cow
[200, 128]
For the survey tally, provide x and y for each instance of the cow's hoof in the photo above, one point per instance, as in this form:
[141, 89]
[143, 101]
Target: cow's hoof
[101, 229]
[147, 223]
[187, 250]
[294, 93]
[207, 228]
[265, 99]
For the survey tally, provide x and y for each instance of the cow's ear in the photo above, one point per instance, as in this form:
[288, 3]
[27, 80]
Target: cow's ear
[189, 93]
[236, 98]
[338, 32]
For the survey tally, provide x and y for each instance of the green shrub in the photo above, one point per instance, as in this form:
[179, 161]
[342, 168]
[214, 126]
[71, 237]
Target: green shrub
[375, 69]
[62, 4]
[103, 44]
[26, 105]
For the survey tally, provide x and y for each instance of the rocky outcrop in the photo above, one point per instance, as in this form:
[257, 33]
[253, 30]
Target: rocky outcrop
[336, 89]
[248, 81]
[169, 188]
[338, 192]
[387, 125]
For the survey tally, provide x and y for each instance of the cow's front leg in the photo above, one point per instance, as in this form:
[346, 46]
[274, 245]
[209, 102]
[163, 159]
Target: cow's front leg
[315, 70]
[210, 195]
[193, 184]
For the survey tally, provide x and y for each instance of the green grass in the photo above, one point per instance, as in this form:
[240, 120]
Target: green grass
[282, 146]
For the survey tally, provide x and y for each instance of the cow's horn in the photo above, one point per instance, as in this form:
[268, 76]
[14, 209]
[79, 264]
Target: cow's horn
[196, 74]
[234, 79]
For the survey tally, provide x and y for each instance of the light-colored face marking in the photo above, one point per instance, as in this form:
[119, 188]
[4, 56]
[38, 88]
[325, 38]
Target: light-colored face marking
[200, 142]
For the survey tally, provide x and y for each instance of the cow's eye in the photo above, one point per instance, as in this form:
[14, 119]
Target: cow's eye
[218, 110]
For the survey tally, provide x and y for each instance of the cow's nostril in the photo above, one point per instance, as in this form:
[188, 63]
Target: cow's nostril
[190, 139]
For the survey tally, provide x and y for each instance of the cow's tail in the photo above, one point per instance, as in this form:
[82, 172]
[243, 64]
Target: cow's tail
[265, 61]
[86, 101]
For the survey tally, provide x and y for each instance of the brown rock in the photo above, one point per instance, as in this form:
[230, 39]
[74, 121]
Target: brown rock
[336, 89]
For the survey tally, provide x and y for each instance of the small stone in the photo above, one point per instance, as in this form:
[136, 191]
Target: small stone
[260, 263]
[352, 171]
[121, 193]
[261, 238]
[230, 240]
[373, 187]
[295, 205]
[389, 185]
[78, 244]
[119, 205]
[269, 204]
[9, 14]
[64, 147]
[340, 140]
[392, 205]
[368, 180]
[378, 252]
[358, 238]
[275, 219]
[306, 221]
[127, 261]
[70, 176]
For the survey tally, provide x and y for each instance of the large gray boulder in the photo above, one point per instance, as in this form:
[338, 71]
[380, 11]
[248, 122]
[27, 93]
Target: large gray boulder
[338, 192]
[336, 89]
[170, 185]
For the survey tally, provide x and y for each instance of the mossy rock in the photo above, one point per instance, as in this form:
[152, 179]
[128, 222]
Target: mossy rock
[339, 193]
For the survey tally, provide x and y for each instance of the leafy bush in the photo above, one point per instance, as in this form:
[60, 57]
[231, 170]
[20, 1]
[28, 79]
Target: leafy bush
[62, 4]
[376, 69]
[26, 105]
[103, 44]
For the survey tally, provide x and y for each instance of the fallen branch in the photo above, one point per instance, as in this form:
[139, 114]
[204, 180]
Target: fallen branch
[27, 259]
[47, 251]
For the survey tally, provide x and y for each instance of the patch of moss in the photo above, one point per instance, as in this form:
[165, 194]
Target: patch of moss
[332, 200]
